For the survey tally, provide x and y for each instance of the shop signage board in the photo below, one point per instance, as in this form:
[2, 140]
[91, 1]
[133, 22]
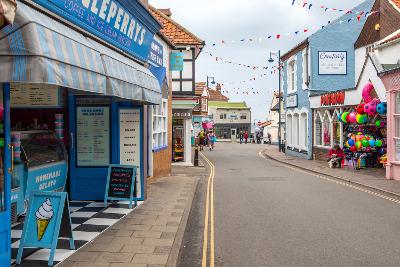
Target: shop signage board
[121, 180]
[182, 113]
[48, 219]
[291, 101]
[129, 142]
[333, 99]
[49, 177]
[156, 55]
[93, 136]
[176, 61]
[34, 95]
[332, 63]
[107, 19]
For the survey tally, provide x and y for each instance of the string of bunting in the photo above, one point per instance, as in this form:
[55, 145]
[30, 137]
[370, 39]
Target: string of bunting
[278, 36]
[309, 6]
[220, 59]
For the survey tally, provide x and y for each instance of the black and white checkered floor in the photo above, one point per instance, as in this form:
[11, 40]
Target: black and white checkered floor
[89, 219]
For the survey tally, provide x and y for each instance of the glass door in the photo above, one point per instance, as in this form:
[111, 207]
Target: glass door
[5, 177]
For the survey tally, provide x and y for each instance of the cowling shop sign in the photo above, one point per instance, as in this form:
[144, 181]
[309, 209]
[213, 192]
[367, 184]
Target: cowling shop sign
[108, 20]
[333, 99]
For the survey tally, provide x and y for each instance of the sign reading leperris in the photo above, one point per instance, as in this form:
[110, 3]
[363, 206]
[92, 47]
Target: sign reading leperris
[109, 20]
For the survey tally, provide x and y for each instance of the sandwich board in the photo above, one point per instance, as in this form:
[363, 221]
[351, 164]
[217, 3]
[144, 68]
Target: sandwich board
[121, 184]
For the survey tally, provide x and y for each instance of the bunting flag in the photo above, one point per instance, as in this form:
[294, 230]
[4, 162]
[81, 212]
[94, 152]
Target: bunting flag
[278, 36]
[308, 5]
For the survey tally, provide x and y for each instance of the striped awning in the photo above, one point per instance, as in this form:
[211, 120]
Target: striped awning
[39, 49]
[7, 12]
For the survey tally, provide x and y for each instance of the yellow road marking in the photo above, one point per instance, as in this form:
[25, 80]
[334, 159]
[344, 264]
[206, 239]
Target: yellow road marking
[353, 186]
[209, 206]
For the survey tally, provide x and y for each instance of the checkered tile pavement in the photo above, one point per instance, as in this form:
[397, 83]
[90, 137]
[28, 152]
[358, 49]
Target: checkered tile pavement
[89, 220]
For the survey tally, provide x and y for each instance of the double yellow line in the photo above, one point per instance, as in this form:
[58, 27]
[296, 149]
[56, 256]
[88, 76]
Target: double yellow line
[209, 216]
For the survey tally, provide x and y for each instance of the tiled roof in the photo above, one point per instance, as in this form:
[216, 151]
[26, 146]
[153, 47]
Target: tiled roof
[213, 95]
[396, 2]
[172, 30]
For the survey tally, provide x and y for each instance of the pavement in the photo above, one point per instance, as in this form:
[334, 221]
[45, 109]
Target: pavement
[373, 178]
[271, 214]
[152, 234]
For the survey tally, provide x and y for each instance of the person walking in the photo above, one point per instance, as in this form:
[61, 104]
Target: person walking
[246, 136]
[201, 139]
[241, 137]
[211, 140]
[269, 138]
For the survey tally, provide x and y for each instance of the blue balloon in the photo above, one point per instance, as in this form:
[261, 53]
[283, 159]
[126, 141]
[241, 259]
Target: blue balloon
[372, 143]
[381, 108]
[339, 116]
[351, 142]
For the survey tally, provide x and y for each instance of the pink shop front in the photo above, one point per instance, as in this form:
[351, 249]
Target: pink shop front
[391, 81]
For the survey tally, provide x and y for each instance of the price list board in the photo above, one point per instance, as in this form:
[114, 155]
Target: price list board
[129, 128]
[31, 95]
[120, 182]
[93, 136]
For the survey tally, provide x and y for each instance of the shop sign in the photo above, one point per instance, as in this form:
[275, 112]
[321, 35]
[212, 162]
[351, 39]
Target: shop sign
[34, 95]
[129, 144]
[156, 54]
[182, 113]
[47, 177]
[176, 61]
[291, 101]
[332, 63]
[333, 99]
[48, 219]
[108, 20]
[120, 183]
[93, 136]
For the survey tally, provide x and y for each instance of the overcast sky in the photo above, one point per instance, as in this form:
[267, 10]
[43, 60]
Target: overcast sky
[216, 20]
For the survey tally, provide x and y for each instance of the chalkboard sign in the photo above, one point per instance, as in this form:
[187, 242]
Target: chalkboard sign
[121, 181]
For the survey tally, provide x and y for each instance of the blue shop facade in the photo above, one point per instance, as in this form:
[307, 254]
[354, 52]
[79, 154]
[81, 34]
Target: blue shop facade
[75, 87]
[324, 62]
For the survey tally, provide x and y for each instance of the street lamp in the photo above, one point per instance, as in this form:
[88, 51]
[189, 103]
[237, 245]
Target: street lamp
[271, 60]
[210, 78]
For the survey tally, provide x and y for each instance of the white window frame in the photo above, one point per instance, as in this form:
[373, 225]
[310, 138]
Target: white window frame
[160, 125]
[303, 131]
[318, 115]
[289, 121]
[306, 63]
[292, 75]
[296, 131]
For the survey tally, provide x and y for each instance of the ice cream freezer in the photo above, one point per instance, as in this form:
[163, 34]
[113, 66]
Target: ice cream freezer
[40, 163]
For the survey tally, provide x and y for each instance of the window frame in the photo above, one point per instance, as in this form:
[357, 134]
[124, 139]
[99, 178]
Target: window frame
[160, 126]
[292, 75]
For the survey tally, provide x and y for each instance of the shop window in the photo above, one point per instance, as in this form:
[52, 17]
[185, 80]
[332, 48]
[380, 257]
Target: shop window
[160, 122]
[295, 131]
[327, 128]
[303, 131]
[222, 116]
[336, 131]
[318, 130]
[289, 131]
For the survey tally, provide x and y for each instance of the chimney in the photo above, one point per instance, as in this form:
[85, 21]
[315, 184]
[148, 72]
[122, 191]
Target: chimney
[166, 11]
[218, 87]
[145, 3]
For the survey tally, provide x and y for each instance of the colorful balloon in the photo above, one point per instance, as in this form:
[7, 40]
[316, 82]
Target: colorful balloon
[372, 143]
[352, 117]
[358, 144]
[339, 116]
[381, 108]
[378, 143]
[353, 149]
[378, 123]
[360, 109]
[370, 108]
[344, 116]
[366, 92]
[365, 143]
[361, 119]
[351, 142]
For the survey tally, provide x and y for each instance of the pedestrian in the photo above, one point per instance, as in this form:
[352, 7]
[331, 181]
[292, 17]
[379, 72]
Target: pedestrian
[211, 140]
[269, 138]
[201, 139]
[241, 137]
[246, 136]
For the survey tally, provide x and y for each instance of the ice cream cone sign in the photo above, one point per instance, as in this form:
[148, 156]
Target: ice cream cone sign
[43, 217]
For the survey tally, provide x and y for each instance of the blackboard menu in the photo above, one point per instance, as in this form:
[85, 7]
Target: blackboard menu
[120, 181]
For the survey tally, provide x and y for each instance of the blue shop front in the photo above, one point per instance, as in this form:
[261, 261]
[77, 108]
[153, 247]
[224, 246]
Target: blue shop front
[74, 90]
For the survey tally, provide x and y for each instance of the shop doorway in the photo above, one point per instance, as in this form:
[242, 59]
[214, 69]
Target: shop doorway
[233, 135]
[178, 140]
[5, 179]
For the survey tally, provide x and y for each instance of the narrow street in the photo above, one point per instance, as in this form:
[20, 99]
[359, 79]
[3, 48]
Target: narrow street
[266, 214]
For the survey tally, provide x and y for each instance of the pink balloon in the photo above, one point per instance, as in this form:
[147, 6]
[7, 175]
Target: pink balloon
[352, 117]
[366, 92]
[370, 108]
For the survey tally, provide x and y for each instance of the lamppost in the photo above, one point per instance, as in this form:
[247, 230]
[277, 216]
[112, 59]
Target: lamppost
[209, 78]
[271, 60]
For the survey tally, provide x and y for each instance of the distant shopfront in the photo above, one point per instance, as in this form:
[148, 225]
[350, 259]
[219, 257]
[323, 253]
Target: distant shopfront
[71, 105]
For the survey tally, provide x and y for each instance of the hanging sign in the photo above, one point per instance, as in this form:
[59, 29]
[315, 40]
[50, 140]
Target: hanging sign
[47, 220]
[182, 113]
[156, 55]
[333, 99]
[121, 180]
[291, 101]
[176, 61]
[332, 63]
[108, 20]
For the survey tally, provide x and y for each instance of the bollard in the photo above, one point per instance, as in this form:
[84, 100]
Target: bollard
[196, 156]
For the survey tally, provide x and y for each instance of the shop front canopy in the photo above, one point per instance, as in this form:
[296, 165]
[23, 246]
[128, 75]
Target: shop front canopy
[40, 50]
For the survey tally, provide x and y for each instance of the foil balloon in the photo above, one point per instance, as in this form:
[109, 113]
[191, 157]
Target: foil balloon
[366, 92]
[381, 108]
[352, 117]
[361, 119]
[372, 143]
[358, 144]
[365, 143]
[351, 142]
[360, 109]
[378, 143]
[344, 116]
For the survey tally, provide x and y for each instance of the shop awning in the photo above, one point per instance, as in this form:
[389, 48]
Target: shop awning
[7, 12]
[39, 49]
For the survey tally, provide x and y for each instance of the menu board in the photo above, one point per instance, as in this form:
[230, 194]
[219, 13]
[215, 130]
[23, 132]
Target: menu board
[36, 95]
[129, 144]
[120, 181]
[93, 136]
